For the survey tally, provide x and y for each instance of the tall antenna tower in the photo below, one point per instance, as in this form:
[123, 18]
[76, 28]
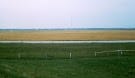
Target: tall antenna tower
[71, 21]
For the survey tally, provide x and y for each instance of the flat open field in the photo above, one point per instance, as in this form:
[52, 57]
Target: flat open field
[62, 60]
[25, 60]
[42, 35]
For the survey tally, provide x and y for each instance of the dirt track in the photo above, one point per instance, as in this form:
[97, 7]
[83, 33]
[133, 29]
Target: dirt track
[123, 41]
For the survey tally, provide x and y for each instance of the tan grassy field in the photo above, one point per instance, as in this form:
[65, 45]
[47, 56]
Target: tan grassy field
[68, 35]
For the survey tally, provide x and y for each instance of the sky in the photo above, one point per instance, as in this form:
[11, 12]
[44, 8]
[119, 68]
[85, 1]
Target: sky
[47, 14]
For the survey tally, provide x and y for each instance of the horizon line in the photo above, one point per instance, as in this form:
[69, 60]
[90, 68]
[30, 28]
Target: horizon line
[59, 28]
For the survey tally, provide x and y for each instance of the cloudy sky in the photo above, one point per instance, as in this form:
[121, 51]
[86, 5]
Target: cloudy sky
[67, 14]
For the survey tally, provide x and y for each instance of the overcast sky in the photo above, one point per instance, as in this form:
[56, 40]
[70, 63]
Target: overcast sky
[67, 14]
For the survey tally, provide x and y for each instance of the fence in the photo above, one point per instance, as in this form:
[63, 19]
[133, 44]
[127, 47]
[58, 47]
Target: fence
[65, 55]
[118, 52]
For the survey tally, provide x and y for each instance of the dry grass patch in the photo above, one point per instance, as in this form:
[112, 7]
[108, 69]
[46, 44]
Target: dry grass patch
[68, 35]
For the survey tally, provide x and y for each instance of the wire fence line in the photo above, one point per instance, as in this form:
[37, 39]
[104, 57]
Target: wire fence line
[67, 55]
[119, 52]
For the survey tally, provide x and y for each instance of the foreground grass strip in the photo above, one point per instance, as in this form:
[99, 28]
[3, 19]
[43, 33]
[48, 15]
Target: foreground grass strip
[99, 67]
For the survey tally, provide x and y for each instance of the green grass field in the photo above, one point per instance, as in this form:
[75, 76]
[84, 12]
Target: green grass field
[21, 60]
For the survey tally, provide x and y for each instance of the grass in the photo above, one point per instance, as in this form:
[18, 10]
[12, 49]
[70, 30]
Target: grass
[107, 67]
[34, 63]
[57, 51]
[40, 35]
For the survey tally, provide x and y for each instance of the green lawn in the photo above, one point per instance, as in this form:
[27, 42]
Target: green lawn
[52, 61]
[99, 67]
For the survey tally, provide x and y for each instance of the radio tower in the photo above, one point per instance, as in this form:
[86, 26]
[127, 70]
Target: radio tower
[71, 21]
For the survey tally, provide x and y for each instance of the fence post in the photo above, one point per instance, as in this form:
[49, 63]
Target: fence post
[121, 53]
[95, 54]
[70, 55]
[19, 55]
[46, 56]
